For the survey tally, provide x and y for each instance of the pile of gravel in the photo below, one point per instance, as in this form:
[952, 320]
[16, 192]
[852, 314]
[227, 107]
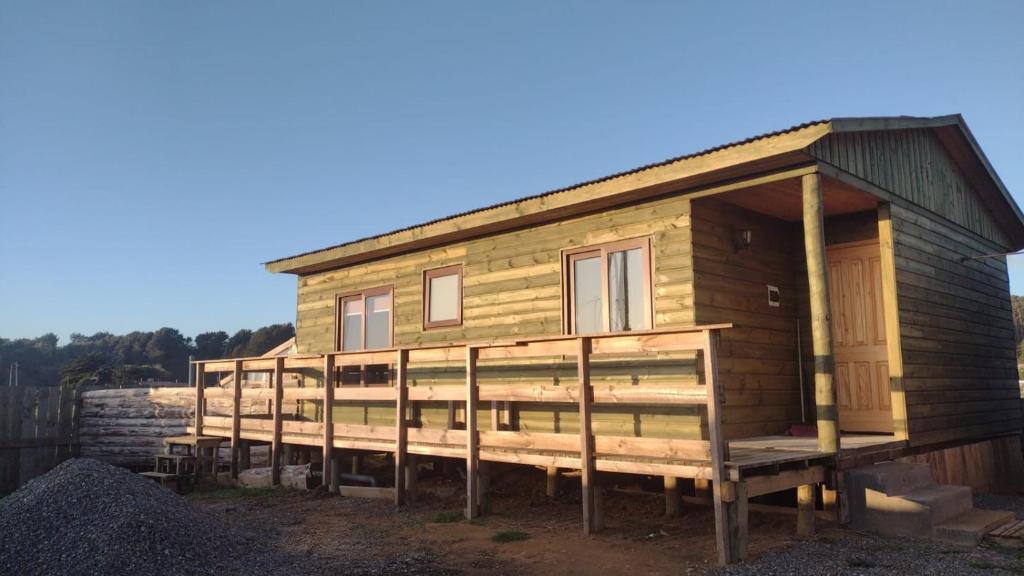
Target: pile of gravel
[86, 517]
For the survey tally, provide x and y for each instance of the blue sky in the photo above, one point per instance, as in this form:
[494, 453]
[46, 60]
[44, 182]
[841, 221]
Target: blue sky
[153, 154]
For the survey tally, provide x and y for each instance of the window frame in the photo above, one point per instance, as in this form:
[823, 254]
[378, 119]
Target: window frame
[339, 310]
[571, 255]
[440, 272]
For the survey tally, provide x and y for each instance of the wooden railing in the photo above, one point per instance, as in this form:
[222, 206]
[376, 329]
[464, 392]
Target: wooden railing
[702, 459]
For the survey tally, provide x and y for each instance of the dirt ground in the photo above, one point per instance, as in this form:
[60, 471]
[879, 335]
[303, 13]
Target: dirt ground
[524, 533]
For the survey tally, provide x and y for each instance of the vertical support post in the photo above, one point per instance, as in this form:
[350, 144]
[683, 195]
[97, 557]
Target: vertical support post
[200, 402]
[472, 438]
[244, 455]
[236, 418]
[726, 526]
[671, 496]
[412, 472]
[805, 510]
[821, 316]
[401, 424]
[328, 421]
[335, 472]
[588, 472]
[890, 304]
[552, 483]
[275, 443]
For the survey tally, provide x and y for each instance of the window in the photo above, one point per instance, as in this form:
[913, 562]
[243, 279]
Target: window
[364, 320]
[608, 287]
[365, 323]
[442, 297]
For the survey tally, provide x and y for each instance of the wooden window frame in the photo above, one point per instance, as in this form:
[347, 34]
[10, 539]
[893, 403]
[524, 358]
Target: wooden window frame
[339, 324]
[428, 275]
[571, 255]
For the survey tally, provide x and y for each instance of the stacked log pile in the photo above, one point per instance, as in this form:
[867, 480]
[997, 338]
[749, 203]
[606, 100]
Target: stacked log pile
[127, 427]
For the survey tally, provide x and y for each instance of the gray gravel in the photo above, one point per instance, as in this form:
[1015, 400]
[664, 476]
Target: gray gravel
[89, 518]
[848, 553]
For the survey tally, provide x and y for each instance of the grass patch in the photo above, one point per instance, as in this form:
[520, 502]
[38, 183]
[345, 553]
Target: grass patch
[510, 536]
[230, 493]
[449, 517]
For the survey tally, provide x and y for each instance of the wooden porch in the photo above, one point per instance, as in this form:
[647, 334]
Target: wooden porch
[734, 471]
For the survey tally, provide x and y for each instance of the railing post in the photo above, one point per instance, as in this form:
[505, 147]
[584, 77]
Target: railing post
[329, 479]
[588, 472]
[401, 424]
[275, 443]
[200, 402]
[236, 418]
[729, 497]
[472, 438]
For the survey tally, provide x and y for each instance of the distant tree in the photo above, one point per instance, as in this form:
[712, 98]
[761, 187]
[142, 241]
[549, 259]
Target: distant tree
[92, 368]
[237, 344]
[168, 349]
[211, 345]
[266, 338]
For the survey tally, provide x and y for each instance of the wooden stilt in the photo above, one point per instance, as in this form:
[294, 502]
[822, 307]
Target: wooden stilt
[244, 455]
[702, 488]
[356, 464]
[412, 472]
[288, 454]
[551, 489]
[821, 321]
[236, 418]
[586, 397]
[830, 501]
[805, 510]
[672, 500]
[335, 472]
[328, 418]
[401, 425]
[275, 443]
[472, 438]
[600, 495]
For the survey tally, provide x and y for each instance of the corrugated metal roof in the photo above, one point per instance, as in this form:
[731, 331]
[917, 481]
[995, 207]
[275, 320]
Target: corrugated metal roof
[564, 189]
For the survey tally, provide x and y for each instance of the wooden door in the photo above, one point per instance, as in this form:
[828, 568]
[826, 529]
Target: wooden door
[858, 332]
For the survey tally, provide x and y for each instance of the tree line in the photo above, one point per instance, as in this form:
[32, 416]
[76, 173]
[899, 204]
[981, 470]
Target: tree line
[129, 359]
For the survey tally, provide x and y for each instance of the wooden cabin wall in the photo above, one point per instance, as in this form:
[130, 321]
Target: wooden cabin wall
[513, 287]
[956, 331]
[913, 165]
[757, 358]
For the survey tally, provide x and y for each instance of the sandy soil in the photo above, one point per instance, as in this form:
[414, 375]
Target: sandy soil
[432, 538]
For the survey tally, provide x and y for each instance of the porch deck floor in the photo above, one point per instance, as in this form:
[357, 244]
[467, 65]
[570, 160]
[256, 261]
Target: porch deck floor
[762, 451]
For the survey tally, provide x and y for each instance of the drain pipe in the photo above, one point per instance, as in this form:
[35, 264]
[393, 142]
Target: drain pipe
[800, 373]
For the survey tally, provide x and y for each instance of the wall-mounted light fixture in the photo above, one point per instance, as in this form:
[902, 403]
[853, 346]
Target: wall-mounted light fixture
[742, 238]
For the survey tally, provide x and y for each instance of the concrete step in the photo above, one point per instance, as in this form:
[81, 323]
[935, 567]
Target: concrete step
[969, 528]
[889, 477]
[943, 501]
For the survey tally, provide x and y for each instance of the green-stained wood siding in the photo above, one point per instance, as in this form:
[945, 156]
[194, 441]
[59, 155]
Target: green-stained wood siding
[914, 165]
[513, 287]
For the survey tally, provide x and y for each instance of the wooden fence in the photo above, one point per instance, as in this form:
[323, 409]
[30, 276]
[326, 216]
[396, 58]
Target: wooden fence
[38, 430]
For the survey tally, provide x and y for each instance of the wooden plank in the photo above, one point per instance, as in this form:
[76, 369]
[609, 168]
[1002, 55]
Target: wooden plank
[677, 449]
[725, 514]
[200, 404]
[258, 394]
[438, 436]
[236, 418]
[436, 393]
[587, 469]
[344, 430]
[472, 439]
[368, 394]
[401, 424]
[785, 480]
[303, 394]
[367, 492]
[530, 440]
[276, 446]
[328, 424]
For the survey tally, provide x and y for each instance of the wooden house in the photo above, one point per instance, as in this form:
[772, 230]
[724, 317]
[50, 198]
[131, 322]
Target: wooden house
[758, 315]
